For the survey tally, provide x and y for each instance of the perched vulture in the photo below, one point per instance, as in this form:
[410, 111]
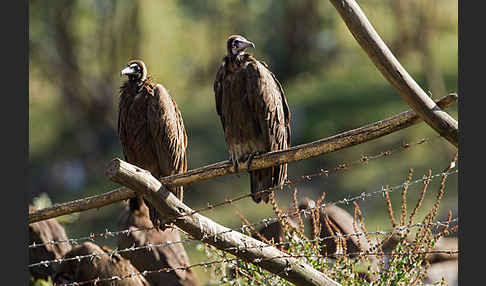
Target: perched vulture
[136, 216]
[106, 265]
[151, 128]
[43, 232]
[254, 113]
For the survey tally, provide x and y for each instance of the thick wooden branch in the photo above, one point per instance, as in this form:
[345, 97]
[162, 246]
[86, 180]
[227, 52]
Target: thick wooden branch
[393, 71]
[296, 153]
[204, 229]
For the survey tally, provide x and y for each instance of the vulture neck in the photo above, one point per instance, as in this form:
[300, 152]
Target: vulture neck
[139, 83]
[236, 61]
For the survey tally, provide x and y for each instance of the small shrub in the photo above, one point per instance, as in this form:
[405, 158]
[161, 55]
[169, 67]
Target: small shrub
[400, 258]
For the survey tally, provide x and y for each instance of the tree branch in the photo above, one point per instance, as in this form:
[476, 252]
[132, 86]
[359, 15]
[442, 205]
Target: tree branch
[392, 70]
[296, 153]
[204, 229]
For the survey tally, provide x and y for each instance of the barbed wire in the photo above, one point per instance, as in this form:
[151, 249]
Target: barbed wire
[364, 159]
[149, 246]
[258, 260]
[400, 229]
[90, 237]
[267, 221]
[362, 196]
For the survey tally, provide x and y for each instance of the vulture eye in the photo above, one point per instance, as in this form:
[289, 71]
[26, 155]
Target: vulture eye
[135, 67]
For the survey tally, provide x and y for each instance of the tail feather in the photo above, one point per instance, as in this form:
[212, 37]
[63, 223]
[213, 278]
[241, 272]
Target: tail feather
[264, 179]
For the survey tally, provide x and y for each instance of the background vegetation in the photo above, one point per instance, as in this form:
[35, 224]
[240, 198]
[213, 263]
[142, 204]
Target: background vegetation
[77, 48]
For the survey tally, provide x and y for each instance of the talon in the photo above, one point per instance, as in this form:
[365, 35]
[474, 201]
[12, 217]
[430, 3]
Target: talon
[235, 164]
[248, 162]
[250, 158]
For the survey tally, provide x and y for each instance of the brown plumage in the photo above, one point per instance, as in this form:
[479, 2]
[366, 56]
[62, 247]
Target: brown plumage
[136, 216]
[43, 232]
[254, 113]
[106, 265]
[151, 128]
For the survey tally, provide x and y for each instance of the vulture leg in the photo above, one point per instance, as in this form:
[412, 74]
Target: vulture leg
[261, 180]
[235, 162]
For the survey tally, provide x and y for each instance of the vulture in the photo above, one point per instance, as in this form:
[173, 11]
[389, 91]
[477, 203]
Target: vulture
[43, 232]
[150, 128]
[134, 216]
[104, 266]
[254, 113]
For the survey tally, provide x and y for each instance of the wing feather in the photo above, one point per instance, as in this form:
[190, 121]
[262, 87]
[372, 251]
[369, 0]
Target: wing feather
[218, 90]
[269, 106]
[125, 101]
[168, 132]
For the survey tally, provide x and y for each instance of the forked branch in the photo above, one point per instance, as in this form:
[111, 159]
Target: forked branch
[393, 71]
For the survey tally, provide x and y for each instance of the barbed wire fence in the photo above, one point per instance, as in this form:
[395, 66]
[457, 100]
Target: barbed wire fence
[149, 246]
[364, 159]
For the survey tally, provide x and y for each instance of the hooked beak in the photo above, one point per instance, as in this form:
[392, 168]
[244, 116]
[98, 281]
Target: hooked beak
[245, 44]
[127, 71]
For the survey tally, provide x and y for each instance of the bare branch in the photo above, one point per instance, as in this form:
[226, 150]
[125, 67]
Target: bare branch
[80, 205]
[296, 153]
[200, 227]
[393, 71]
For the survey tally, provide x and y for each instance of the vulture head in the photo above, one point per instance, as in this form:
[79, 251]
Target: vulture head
[237, 45]
[135, 70]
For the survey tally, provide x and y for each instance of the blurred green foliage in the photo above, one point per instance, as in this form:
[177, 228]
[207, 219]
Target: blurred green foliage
[77, 48]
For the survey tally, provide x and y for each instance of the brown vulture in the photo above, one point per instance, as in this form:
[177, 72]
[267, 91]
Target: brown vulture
[43, 232]
[136, 216]
[254, 113]
[151, 128]
[105, 265]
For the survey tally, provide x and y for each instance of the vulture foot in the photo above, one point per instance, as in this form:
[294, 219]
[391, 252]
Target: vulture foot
[250, 156]
[235, 165]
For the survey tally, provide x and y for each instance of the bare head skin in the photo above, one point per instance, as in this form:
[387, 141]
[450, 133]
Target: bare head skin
[136, 70]
[237, 45]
